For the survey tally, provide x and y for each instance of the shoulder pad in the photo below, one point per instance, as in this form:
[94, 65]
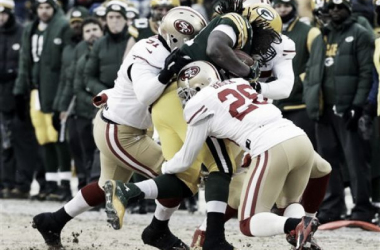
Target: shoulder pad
[240, 26]
[141, 23]
[151, 51]
[195, 112]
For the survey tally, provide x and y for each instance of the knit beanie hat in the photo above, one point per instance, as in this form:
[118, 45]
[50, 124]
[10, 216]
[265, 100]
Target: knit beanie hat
[53, 3]
[117, 6]
[346, 3]
[291, 2]
[78, 13]
[7, 6]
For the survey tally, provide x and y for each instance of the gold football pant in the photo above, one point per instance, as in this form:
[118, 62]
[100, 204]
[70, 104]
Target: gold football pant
[125, 150]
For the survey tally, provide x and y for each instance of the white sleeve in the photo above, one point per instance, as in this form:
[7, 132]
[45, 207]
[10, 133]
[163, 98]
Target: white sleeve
[282, 87]
[182, 160]
[228, 30]
[145, 81]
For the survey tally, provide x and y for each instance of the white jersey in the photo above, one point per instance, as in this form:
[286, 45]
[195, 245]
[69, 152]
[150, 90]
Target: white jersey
[231, 110]
[137, 85]
[280, 67]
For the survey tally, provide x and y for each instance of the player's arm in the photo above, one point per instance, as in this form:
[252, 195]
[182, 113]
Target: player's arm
[130, 43]
[283, 71]
[220, 50]
[195, 137]
[145, 80]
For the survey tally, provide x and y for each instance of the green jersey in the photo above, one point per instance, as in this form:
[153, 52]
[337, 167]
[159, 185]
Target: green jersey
[196, 48]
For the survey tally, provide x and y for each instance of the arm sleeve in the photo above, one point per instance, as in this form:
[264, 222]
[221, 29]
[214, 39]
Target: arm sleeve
[146, 85]
[364, 54]
[182, 160]
[91, 71]
[21, 85]
[282, 87]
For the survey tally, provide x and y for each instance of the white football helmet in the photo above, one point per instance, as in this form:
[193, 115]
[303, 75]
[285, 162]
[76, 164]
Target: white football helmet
[180, 25]
[194, 77]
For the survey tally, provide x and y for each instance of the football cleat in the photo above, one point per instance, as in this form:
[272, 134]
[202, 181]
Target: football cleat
[291, 239]
[117, 195]
[305, 231]
[47, 226]
[198, 239]
[162, 239]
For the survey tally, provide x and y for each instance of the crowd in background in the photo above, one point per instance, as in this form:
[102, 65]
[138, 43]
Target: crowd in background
[55, 56]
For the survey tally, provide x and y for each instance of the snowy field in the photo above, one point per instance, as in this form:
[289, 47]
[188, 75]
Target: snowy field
[90, 231]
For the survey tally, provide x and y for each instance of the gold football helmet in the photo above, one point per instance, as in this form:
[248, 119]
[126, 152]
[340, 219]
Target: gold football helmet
[180, 25]
[263, 12]
[157, 3]
[194, 77]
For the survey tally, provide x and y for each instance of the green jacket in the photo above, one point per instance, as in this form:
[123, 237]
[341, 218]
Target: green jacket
[71, 55]
[104, 61]
[65, 88]
[83, 103]
[353, 69]
[50, 61]
[303, 36]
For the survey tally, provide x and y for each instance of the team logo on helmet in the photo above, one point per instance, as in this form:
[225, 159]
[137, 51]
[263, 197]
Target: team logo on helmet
[265, 13]
[184, 27]
[189, 73]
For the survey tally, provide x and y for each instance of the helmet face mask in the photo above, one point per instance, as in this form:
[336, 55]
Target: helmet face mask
[180, 25]
[194, 77]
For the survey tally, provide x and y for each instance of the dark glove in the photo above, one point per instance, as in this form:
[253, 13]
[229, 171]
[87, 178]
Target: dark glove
[256, 86]
[21, 107]
[227, 6]
[56, 121]
[173, 64]
[254, 73]
[351, 118]
[366, 127]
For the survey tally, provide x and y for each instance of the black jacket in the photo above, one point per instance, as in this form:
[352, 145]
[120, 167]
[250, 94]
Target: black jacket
[10, 43]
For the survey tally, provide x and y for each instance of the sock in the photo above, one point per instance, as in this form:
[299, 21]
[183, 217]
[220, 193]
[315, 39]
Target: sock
[230, 212]
[50, 158]
[93, 194]
[61, 217]
[291, 224]
[266, 224]
[63, 156]
[215, 226]
[294, 210]
[203, 226]
[163, 213]
[77, 205]
[159, 224]
[314, 193]
[149, 188]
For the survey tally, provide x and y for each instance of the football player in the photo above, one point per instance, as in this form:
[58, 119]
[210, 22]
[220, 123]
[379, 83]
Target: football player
[143, 27]
[282, 155]
[120, 131]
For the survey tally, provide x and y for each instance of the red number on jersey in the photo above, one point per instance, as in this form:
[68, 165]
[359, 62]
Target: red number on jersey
[243, 90]
[152, 43]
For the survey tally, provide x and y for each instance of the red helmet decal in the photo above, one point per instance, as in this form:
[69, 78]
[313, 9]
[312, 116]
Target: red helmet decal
[184, 27]
[189, 73]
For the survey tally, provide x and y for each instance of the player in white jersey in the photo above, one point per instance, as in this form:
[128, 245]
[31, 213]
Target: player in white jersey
[120, 130]
[282, 154]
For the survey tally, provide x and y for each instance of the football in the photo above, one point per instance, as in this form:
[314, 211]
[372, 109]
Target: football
[244, 57]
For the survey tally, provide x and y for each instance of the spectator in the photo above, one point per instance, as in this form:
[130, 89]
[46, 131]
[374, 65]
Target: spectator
[364, 8]
[335, 91]
[39, 71]
[19, 148]
[83, 109]
[294, 108]
[63, 100]
[107, 54]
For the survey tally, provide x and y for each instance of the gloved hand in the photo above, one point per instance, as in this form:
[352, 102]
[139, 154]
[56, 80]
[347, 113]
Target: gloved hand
[351, 118]
[56, 121]
[226, 6]
[256, 86]
[254, 73]
[21, 107]
[173, 64]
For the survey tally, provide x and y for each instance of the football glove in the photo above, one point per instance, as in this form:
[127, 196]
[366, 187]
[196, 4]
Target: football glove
[173, 64]
[351, 118]
[254, 73]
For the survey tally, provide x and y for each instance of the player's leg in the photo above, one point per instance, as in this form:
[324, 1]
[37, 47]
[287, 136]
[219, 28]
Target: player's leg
[284, 169]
